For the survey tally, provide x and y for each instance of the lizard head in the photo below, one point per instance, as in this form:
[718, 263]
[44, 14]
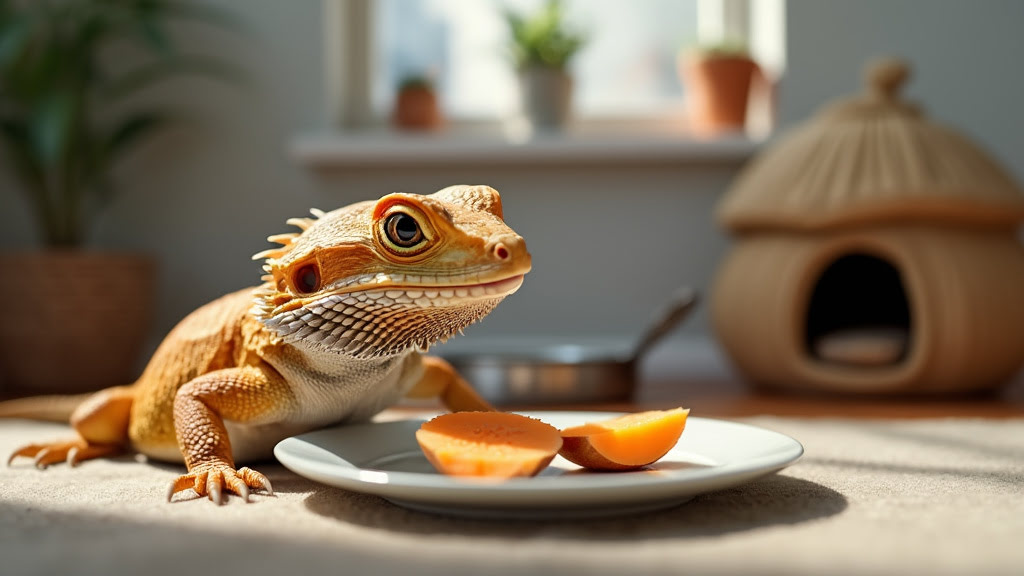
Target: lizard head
[374, 279]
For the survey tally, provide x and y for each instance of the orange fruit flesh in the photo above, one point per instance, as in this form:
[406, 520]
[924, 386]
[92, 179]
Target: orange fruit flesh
[493, 444]
[634, 439]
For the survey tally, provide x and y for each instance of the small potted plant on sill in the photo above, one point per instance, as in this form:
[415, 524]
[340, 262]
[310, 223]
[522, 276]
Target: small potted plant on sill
[416, 105]
[76, 318]
[718, 79]
[542, 46]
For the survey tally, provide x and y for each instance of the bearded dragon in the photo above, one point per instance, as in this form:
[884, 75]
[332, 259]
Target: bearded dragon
[335, 333]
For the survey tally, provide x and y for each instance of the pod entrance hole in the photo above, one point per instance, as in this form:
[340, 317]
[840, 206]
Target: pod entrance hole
[859, 314]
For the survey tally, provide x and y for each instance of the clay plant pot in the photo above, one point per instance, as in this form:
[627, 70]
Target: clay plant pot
[416, 108]
[73, 321]
[546, 97]
[718, 88]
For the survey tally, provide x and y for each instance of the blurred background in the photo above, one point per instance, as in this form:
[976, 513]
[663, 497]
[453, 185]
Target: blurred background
[617, 204]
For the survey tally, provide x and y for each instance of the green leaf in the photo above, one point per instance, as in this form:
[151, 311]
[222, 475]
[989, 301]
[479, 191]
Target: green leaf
[27, 168]
[167, 68]
[51, 126]
[196, 12]
[43, 71]
[22, 153]
[543, 38]
[153, 34]
[14, 35]
[132, 130]
[58, 93]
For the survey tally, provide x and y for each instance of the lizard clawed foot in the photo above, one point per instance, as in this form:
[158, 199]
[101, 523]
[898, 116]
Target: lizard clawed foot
[70, 451]
[212, 479]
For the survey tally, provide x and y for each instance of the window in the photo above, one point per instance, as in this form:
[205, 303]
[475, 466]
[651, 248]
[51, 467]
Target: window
[627, 66]
[626, 70]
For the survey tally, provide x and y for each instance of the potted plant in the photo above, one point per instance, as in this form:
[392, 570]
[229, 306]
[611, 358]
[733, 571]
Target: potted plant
[75, 318]
[416, 106]
[718, 80]
[542, 46]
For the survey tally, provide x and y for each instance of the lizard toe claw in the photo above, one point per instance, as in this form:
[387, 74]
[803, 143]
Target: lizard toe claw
[44, 458]
[242, 490]
[214, 490]
[183, 482]
[213, 480]
[28, 451]
[70, 451]
[72, 457]
[237, 485]
[256, 480]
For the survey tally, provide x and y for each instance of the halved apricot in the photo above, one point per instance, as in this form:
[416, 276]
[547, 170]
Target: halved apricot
[626, 442]
[492, 444]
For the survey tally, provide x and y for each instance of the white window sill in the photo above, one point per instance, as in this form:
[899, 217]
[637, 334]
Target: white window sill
[390, 148]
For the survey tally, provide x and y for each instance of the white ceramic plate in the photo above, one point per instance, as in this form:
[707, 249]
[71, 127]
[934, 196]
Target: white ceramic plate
[384, 459]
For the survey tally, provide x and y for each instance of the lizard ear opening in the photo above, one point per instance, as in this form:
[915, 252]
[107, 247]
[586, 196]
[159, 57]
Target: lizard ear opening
[480, 198]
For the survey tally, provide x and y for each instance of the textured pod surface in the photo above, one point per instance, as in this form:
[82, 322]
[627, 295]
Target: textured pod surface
[493, 444]
[963, 289]
[626, 442]
[870, 159]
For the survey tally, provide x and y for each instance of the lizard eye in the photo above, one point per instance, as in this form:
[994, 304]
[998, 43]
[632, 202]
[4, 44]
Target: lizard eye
[403, 230]
[306, 279]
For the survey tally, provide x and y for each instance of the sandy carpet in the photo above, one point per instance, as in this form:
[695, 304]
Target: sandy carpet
[924, 497]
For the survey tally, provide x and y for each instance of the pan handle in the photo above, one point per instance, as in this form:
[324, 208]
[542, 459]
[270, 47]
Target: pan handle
[677, 308]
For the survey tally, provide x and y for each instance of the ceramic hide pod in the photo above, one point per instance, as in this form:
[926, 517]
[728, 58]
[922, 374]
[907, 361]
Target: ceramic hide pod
[875, 252]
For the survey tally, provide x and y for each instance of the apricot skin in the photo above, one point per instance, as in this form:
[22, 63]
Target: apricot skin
[624, 443]
[577, 449]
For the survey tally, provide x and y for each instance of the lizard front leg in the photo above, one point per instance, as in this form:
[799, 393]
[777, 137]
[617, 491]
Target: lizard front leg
[441, 380]
[251, 394]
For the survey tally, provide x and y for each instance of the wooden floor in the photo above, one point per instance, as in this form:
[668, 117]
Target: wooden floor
[735, 399]
[731, 397]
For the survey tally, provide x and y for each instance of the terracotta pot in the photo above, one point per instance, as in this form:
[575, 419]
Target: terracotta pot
[73, 321]
[546, 97]
[416, 108]
[718, 89]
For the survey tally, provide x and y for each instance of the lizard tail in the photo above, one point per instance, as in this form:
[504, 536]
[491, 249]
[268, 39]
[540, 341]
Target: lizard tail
[48, 408]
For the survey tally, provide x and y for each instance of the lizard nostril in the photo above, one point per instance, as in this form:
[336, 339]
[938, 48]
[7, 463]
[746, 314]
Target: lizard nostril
[501, 252]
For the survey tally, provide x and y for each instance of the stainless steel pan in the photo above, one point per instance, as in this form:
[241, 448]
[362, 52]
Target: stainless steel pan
[532, 372]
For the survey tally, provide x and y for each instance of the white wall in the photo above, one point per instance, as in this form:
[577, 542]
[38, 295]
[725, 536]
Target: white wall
[608, 242]
[967, 62]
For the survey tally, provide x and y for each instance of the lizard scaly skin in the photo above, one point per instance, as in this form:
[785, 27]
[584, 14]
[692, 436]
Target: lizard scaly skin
[334, 334]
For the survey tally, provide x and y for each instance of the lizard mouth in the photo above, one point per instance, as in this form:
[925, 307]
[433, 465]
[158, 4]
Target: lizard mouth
[502, 287]
[374, 320]
[424, 295]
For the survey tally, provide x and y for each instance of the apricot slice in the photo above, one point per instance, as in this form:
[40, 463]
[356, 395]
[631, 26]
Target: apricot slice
[625, 442]
[491, 444]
